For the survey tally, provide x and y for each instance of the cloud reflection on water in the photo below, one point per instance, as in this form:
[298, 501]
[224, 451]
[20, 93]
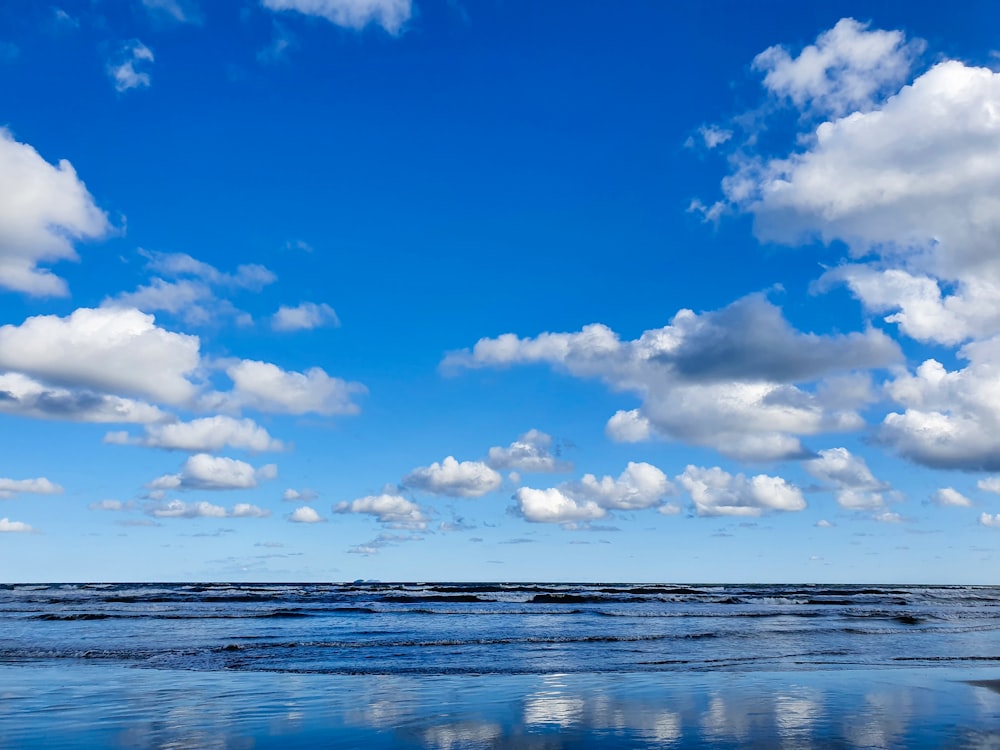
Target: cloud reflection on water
[101, 706]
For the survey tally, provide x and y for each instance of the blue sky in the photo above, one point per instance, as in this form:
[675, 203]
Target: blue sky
[441, 289]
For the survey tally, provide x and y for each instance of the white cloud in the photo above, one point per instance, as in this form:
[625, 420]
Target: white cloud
[110, 505]
[718, 493]
[531, 453]
[923, 311]
[853, 499]
[305, 514]
[846, 69]
[293, 496]
[209, 434]
[951, 418]
[205, 472]
[823, 524]
[185, 297]
[950, 497]
[189, 290]
[465, 479]
[202, 509]
[989, 484]
[130, 72]
[628, 427]
[395, 511]
[856, 487]
[351, 14]
[180, 509]
[639, 486]
[985, 519]
[44, 209]
[887, 517]
[25, 396]
[246, 510]
[112, 350]
[16, 527]
[251, 276]
[268, 388]
[723, 379]
[913, 183]
[304, 317]
[713, 135]
[912, 186]
[38, 486]
[555, 506]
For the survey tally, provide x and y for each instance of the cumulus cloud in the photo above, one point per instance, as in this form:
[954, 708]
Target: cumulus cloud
[268, 388]
[455, 479]
[985, 519]
[718, 493]
[989, 484]
[131, 70]
[304, 317]
[552, 505]
[109, 350]
[887, 517]
[950, 497]
[38, 486]
[531, 453]
[639, 486]
[305, 514]
[246, 510]
[726, 379]
[912, 182]
[26, 397]
[846, 69]
[951, 419]
[44, 209]
[294, 496]
[628, 427]
[906, 177]
[391, 15]
[205, 472]
[14, 527]
[395, 511]
[856, 487]
[209, 434]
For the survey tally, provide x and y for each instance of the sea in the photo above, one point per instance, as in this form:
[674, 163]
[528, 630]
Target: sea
[498, 665]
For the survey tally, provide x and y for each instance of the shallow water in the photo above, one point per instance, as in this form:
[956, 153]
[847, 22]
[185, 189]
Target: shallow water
[498, 666]
[109, 705]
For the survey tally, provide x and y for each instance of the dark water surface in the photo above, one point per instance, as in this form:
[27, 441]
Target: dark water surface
[498, 665]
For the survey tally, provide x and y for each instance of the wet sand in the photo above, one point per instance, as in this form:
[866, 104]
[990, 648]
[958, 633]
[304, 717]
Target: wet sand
[100, 705]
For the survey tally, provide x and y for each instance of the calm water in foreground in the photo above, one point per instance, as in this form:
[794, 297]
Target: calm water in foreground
[498, 666]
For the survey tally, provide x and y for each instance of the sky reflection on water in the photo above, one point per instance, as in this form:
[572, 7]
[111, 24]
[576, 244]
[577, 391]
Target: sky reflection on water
[110, 706]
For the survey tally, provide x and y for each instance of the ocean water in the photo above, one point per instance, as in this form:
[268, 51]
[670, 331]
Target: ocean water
[497, 665]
